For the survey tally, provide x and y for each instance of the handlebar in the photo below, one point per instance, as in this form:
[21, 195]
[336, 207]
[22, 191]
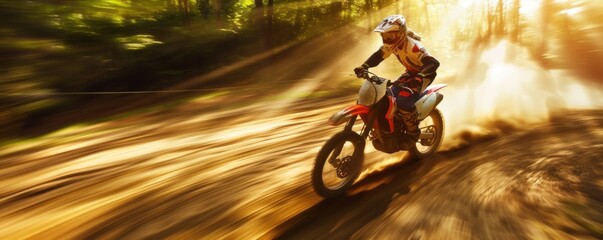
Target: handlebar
[375, 79]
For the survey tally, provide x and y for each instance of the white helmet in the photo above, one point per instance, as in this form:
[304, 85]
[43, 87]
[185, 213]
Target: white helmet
[392, 29]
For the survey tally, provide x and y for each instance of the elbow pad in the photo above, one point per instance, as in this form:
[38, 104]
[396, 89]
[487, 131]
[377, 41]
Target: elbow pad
[430, 65]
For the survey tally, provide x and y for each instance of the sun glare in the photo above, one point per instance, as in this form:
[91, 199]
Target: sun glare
[467, 3]
[529, 6]
[572, 11]
[526, 6]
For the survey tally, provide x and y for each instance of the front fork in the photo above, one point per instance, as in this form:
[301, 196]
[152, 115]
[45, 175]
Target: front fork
[348, 127]
[350, 124]
[337, 151]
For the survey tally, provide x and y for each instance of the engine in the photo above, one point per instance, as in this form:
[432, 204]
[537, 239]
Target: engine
[390, 144]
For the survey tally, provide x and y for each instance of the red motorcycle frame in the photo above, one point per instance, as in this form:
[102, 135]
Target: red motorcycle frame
[343, 153]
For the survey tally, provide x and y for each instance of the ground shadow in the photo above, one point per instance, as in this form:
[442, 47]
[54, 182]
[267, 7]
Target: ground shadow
[340, 218]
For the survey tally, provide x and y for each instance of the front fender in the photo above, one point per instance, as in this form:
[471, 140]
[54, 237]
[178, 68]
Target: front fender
[344, 114]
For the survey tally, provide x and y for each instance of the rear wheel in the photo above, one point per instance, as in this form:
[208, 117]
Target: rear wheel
[338, 164]
[434, 125]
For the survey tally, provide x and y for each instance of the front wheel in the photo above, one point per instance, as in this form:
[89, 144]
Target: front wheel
[338, 164]
[433, 126]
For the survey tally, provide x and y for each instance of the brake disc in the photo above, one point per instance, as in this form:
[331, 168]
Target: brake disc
[343, 168]
[429, 141]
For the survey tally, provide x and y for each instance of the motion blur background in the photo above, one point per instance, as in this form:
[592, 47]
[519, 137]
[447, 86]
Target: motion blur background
[199, 118]
[57, 55]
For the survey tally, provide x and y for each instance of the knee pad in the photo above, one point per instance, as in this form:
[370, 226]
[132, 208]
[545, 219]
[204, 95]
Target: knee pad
[405, 98]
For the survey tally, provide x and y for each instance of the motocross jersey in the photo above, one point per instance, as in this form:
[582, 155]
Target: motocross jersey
[409, 53]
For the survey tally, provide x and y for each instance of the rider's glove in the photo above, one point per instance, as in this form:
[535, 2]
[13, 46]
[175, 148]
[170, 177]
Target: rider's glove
[361, 70]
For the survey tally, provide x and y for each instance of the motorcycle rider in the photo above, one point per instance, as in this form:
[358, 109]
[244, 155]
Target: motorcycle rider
[420, 67]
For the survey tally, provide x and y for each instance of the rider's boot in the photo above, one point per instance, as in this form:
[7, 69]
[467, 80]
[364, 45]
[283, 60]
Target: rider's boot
[411, 123]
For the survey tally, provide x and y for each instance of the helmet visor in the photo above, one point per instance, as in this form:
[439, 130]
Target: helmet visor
[390, 37]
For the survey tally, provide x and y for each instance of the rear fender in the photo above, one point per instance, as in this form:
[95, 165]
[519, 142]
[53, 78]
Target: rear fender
[434, 88]
[344, 114]
[428, 102]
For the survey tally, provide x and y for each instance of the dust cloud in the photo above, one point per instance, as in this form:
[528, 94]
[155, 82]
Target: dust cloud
[494, 86]
[501, 88]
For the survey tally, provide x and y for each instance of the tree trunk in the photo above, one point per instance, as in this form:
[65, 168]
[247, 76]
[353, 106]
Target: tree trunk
[546, 18]
[258, 3]
[184, 10]
[269, 41]
[426, 15]
[170, 5]
[516, 23]
[489, 19]
[204, 7]
[500, 26]
[368, 8]
[218, 8]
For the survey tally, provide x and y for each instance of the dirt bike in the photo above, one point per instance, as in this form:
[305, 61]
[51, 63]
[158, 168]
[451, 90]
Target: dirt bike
[339, 161]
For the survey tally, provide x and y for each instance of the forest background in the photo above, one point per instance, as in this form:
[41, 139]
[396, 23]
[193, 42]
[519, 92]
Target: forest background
[65, 62]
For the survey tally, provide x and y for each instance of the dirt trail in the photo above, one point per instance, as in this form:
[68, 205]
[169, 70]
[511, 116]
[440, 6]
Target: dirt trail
[244, 172]
[543, 183]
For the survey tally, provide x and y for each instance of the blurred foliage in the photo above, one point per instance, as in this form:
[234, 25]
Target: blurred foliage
[125, 45]
[56, 46]
[87, 45]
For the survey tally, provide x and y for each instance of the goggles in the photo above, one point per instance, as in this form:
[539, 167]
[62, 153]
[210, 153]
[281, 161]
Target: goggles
[390, 37]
